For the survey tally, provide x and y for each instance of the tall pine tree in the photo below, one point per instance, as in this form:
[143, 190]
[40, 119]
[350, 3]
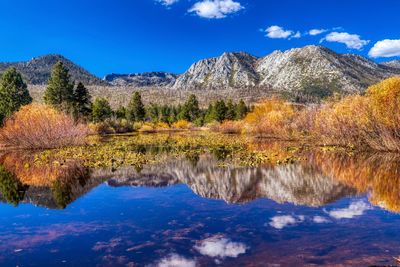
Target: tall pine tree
[13, 93]
[136, 110]
[241, 110]
[82, 101]
[60, 91]
[190, 110]
[101, 110]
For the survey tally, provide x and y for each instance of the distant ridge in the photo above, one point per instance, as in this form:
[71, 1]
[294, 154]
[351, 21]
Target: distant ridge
[37, 70]
[157, 79]
[310, 70]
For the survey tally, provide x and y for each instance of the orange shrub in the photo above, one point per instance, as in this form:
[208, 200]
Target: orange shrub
[39, 126]
[343, 122]
[272, 118]
[229, 127]
[384, 98]
[182, 124]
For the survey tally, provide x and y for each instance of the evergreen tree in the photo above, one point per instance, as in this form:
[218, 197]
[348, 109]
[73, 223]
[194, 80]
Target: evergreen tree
[190, 110]
[164, 113]
[120, 113]
[60, 91]
[230, 111]
[101, 110]
[173, 115]
[136, 110]
[241, 110]
[220, 110]
[82, 101]
[152, 112]
[210, 114]
[13, 93]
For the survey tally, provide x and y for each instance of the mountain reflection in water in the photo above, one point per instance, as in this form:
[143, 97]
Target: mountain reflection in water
[200, 211]
[319, 179]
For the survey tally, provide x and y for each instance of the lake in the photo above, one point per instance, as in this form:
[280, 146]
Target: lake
[202, 209]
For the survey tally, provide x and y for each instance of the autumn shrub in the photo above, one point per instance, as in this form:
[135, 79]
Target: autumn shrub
[371, 120]
[182, 124]
[39, 126]
[272, 118]
[148, 128]
[342, 123]
[229, 127]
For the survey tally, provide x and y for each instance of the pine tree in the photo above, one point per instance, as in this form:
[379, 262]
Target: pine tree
[136, 110]
[101, 110]
[210, 114]
[152, 111]
[190, 110]
[164, 113]
[120, 113]
[230, 111]
[241, 110]
[60, 91]
[13, 93]
[173, 115]
[82, 101]
[220, 111]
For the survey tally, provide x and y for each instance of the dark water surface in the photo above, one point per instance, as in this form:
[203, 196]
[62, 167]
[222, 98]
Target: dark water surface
[326, 210]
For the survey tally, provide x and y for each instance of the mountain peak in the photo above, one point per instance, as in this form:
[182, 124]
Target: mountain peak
[38, 69]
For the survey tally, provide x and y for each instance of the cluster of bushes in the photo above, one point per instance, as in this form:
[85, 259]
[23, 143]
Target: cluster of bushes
[371, 120]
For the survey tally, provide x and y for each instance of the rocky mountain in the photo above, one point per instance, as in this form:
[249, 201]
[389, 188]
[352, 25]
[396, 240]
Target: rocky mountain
[154, 79]
[311, 69]
[37, 70]
[393, 64]
[235, 70]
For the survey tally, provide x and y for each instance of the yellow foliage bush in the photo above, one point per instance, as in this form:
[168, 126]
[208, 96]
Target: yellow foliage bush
[182, 124]
[229, 127]
[272, 117]
[39, 126]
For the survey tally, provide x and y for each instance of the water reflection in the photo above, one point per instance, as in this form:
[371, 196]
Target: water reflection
[321, 178]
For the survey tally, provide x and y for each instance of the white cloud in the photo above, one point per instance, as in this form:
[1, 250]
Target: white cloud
[167, 2]
[355, 209]
[220, 247]
[175, 260]
[320, 219]
[353, 41]
[277, 32]
[314, 32]
[216, 9]
[280, 222]
[385, 48]
[297, 35]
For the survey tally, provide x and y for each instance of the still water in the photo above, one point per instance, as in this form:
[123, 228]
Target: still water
[328, 209]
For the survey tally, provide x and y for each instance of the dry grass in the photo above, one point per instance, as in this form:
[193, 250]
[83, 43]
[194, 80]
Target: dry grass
[38, 126]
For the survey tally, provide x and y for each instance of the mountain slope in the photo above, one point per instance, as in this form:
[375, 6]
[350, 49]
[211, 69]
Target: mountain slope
[37, 70]
[309, 70]
[155, 79]
[235, 70]
[392, 64]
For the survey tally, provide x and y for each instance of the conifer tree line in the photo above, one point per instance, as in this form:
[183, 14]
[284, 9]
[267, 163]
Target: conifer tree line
[62, 94]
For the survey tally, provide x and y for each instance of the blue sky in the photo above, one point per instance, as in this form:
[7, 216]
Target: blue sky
[124, 36]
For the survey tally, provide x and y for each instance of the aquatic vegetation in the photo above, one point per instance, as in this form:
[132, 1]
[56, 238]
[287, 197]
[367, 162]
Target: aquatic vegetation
[137, 150]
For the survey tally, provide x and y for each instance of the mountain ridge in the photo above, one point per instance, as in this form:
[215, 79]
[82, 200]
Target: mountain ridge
[309, 70]
[37, 70]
